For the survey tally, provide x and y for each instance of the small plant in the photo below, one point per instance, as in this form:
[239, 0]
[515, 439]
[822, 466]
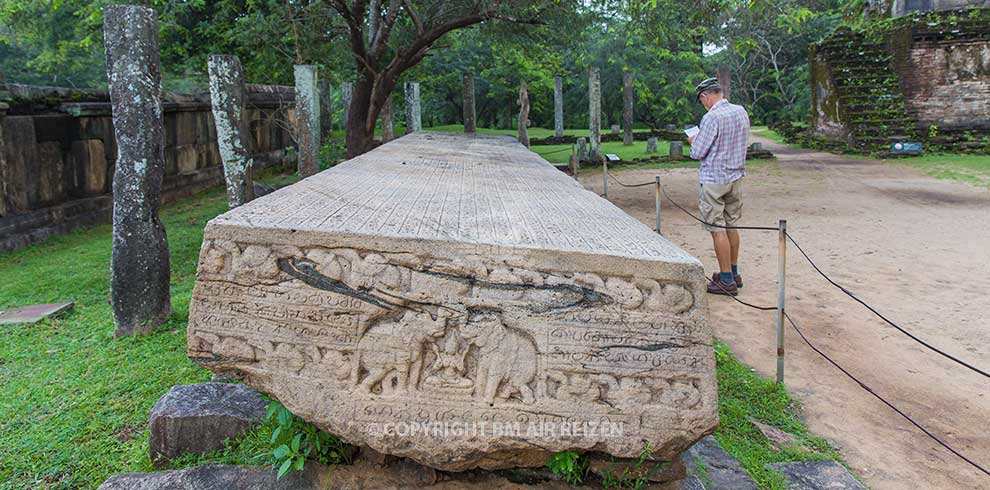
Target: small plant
[569, 465]
[636, 476]
[932, 131]
[295, 440]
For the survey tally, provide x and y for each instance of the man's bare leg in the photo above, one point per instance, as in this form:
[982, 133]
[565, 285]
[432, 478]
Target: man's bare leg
[723, 250]
[733, 245]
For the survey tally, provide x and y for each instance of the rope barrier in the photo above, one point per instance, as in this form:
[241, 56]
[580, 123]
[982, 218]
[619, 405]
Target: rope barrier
[882, 399]
[552, 152]
[617, 181]
[877, 313]
[678, 206]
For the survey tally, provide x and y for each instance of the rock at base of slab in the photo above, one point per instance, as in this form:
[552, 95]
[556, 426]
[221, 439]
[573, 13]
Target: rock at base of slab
[198, 418]
[722, 469]
[817, 475]
[33, 313]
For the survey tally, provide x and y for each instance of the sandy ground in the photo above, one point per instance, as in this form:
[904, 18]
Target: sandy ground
[916, 248]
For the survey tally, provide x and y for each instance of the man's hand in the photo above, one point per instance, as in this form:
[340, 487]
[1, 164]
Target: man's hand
[691, 139]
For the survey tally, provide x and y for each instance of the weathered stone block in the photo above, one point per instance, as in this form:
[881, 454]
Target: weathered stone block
[816, 475]
[194, 419]
[50, 173]
[419, 301]
[186, 158]
[91, 159]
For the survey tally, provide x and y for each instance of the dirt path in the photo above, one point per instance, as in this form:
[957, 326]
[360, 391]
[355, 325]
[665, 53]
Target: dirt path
[916, 248]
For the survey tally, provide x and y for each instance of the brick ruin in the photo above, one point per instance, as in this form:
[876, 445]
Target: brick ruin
[924, 76]
[58, 153]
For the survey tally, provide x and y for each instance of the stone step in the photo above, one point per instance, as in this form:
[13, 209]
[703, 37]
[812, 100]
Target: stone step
[723, 471]
[817, 475]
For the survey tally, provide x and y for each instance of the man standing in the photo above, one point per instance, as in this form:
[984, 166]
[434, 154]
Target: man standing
[721, 147]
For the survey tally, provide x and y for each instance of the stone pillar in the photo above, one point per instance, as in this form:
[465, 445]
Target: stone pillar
[677, 150]
[139, 261]
[307, 120]
[651, 145]
[616, 129]
[469, 113]
[326, 111]
[3, 164]
[388, 131]
[523, 115]
[227, 100]
[627, 108]
[595, 113]
[345, 92]
[725, 81]
[414, 120]
[558, 107]
[582, 150]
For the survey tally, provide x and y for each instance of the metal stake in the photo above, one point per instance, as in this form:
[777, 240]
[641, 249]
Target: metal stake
[605, 176]
[658, 205]
[781, 269]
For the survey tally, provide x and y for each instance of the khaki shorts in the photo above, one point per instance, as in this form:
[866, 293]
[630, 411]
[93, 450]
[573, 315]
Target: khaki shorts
[720, 204]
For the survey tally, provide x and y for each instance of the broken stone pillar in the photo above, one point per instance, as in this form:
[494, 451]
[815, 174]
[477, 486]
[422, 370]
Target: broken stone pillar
[468, 105]
[227, 101]
[414, 120]
[446, 320]
[388, 131]
[523, 115]
[307, 120]
[677, 150]
[3, 163]
[197, 419]
[139, 273]
[616, 129]
[651, 145]
[558, 107]
[725, 81]
[595, 114]
[582, 150]
[326, 111]
[346, 89]
[627, 108]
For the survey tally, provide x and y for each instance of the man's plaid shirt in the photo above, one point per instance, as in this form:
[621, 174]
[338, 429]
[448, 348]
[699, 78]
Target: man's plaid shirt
[721, 144]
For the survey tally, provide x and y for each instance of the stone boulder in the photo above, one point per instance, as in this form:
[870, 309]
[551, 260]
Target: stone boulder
[198, 418]
[817, 475]
[458, 301]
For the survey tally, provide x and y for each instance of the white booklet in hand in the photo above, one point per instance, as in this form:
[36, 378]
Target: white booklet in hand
[692, 131]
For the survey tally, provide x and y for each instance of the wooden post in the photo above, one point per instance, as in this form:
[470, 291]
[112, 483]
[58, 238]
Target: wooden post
[657, 197]
[781, 269]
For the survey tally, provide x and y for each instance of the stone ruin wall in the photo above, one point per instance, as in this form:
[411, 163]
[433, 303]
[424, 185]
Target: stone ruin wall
[943, 73]
[59, 153]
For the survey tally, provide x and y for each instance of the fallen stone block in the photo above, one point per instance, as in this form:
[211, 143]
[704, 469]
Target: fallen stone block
[198, 418]
[456, 300]
[723, 471]
[33, 313]
[817, 475]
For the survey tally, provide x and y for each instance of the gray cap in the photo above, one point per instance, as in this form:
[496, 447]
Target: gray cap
[706, 85]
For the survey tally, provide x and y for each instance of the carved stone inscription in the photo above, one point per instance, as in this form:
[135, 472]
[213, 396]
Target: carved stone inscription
[458, 356]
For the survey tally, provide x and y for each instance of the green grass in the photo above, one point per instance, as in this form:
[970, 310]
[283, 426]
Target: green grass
[972, 169]
[76, 400]
[767, 133]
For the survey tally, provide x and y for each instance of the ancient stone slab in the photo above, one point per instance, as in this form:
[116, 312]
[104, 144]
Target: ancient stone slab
[677, 149]
[651, 144]
[90, 158]
[470, 117]
[33, 313]
[595, 113]
[139, 273]
[420, 300]
[307, 119]
[817, 475]
[346, 92]
[195, 419]
[413, 113]
[721, 468]
[227, 102]
[582, 150]
[558, 107]
[326, 110]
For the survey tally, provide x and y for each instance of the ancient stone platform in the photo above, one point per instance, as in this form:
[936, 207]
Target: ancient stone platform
[33, 313]
[456, 300]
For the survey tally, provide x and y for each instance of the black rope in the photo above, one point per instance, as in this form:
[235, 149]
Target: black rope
[885, 402]
[678, 206]
[877, 313]
[719, 285]
[552, 152]
[617, 181]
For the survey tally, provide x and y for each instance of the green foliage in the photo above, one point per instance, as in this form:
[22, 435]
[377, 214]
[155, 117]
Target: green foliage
[569, 465]
[636, 476]
[294, 441]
